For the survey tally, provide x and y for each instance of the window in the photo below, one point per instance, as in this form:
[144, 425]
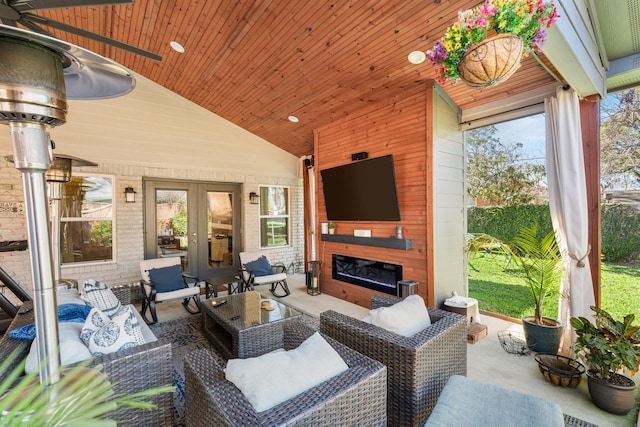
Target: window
[274, 216]
[86, 220]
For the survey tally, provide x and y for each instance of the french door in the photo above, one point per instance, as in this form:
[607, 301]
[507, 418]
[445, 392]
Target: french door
[196, 222]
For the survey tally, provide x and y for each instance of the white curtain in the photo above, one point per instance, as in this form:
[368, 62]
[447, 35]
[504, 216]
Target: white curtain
[312, 220]
[568, 204]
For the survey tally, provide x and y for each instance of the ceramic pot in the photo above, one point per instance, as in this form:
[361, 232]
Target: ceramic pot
[543, 338]
[617, 399]
[491, 61]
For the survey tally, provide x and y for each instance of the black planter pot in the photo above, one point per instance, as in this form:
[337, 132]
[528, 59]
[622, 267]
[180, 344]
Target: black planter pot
[614, 398]
[542, 338]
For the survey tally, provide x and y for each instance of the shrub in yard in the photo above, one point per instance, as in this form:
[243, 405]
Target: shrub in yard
[504, 223]
[620, 232]
[620, 226]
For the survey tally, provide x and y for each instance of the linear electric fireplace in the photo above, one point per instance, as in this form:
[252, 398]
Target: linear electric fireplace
[375, 275]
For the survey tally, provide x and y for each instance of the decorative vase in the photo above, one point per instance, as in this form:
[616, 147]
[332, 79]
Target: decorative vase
[491, 61]
[543, 338]
[617, 399]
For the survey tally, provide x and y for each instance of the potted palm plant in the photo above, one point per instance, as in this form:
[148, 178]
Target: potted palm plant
[607, 348]
[541, 262]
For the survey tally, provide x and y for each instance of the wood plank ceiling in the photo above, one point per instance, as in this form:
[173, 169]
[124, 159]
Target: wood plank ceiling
[255, 63]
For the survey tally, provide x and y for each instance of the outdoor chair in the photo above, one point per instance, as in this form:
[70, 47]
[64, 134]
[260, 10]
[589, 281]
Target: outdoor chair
[418, 366]
[356, 397]
[163, 280]
[256, 269]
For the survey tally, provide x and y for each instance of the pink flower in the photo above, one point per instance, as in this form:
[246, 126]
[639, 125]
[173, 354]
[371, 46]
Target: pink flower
[482, 22]
[488, 9]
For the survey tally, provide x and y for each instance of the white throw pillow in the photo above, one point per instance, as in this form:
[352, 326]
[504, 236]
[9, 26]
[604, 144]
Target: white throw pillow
[123, 331]
[72, 349]
[274, 377]
[99, 295]
[406, 318]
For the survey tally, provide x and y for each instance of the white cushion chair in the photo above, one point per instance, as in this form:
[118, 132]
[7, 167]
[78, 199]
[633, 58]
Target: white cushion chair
[256, 269]
[163, 280]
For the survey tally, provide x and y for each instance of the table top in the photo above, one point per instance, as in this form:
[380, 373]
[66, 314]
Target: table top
[244, 310]
[222, 280]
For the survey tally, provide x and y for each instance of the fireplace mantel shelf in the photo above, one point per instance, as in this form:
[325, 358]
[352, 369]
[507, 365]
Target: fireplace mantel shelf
[382, 242]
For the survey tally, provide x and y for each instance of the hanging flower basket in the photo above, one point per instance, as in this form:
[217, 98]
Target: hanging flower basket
[485, 45]
[491, 61]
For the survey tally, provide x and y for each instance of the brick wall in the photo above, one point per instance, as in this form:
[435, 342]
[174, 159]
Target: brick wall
[129, 244]
[13, 227]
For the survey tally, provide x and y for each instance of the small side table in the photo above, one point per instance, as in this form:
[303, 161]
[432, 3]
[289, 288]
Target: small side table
[233, 284]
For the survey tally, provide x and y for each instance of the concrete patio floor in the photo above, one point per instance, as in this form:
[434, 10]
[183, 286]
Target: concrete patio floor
[487, 361]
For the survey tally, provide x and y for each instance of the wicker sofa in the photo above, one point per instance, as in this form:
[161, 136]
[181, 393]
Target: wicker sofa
[418, 366]
[355, 397]
[132, 370]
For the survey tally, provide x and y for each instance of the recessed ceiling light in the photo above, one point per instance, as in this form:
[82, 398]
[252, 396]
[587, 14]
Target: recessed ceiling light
[177, 47]
[417, 57]
[293, 119]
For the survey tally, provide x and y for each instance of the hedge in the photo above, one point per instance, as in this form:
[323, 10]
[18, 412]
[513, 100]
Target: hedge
[620, 225]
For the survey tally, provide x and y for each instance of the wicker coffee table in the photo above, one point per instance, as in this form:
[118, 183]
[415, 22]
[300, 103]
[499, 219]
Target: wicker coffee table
[241, 328]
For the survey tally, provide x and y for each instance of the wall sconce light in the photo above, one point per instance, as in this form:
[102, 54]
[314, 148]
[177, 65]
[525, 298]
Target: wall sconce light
[129, 195]
[254, 199]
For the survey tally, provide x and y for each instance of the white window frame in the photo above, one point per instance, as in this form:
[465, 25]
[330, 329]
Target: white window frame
[287, 216]
[112, 218]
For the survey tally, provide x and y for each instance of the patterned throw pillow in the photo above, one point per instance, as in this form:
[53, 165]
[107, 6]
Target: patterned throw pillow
[123, 331]
[100, 296]
[95, 320]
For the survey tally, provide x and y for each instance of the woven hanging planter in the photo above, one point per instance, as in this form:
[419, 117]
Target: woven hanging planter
[491, 61]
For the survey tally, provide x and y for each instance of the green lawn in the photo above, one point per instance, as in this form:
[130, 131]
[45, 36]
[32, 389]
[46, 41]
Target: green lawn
[503, 291]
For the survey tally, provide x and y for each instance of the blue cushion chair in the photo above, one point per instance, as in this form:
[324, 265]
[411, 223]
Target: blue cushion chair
[256, 269]
[163, 280]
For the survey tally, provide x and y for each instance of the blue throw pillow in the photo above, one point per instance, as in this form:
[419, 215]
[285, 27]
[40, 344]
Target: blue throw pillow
[167, 279]
[260, 266]
[66, 313]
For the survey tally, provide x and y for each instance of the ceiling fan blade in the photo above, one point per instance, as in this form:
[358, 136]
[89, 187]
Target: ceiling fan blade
[93, 36]
[33, 27]
[30, 5]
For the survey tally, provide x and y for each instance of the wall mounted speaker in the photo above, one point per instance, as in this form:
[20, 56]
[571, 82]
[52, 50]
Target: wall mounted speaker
[359, 156]
[308, 162]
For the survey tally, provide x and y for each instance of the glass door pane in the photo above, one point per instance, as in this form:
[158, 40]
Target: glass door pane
[219, 221]
[220, 228]
[172, 225]
[196, 221]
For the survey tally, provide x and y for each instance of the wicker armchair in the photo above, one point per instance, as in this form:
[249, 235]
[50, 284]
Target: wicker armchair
[355, 397]
[131, 370]
[418, 366]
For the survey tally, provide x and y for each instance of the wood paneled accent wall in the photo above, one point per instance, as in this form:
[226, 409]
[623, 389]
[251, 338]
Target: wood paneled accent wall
[399, 126]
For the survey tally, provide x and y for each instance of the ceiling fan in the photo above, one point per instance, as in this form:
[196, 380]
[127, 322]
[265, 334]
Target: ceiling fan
[14, 12]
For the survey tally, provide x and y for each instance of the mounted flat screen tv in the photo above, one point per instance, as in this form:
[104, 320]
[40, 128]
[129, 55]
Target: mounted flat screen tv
[361, 191]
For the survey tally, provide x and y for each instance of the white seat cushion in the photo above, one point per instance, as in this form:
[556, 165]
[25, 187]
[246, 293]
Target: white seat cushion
[177, 294]
[72, 349]
[275, 377]
[259, 280]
